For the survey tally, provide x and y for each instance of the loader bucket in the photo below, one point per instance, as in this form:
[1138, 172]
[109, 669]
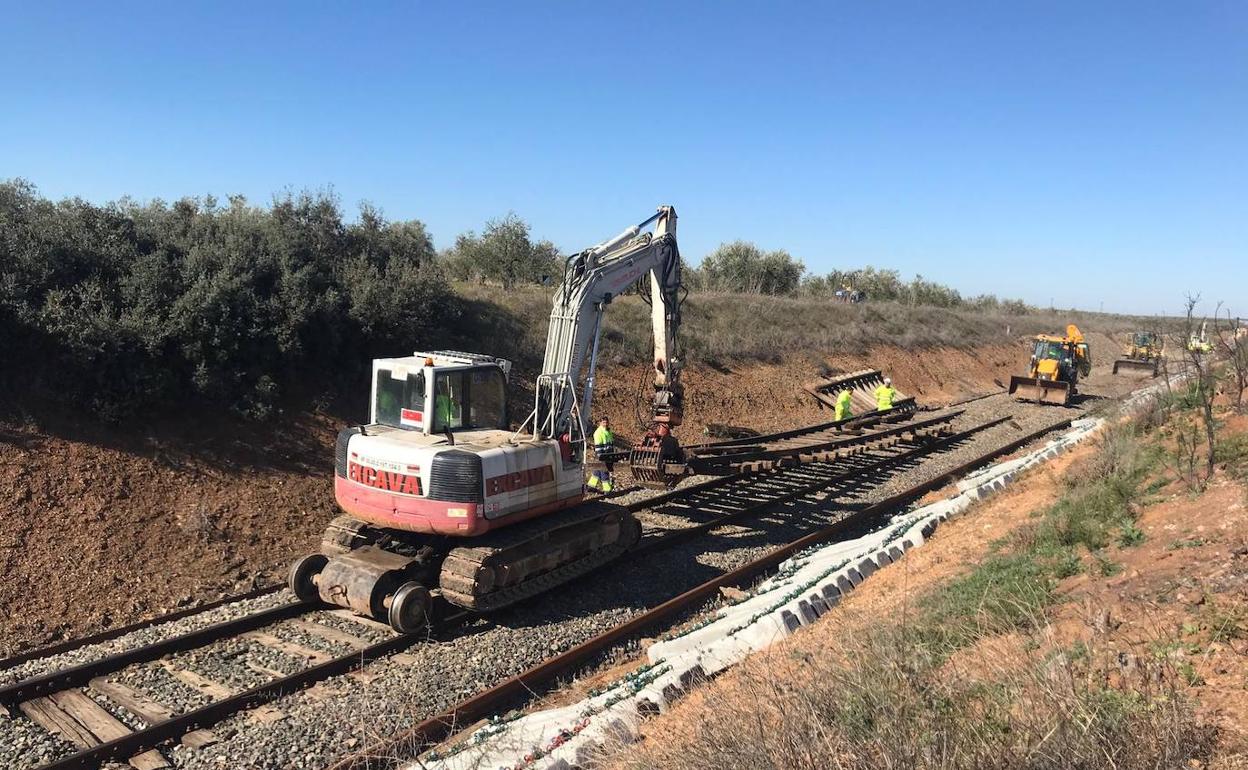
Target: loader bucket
[1136, 366]
[1040, 391]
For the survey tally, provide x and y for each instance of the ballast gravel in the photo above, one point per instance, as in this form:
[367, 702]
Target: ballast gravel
[393, 694]
[143, 636]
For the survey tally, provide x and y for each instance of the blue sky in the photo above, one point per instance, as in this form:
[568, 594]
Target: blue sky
[1083, 153]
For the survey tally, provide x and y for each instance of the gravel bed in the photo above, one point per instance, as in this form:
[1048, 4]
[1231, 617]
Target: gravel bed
[141, 637]
[643, 493]
[162, 687]
[440, 673]
[347, 713]
[357, 630]
[25, 744]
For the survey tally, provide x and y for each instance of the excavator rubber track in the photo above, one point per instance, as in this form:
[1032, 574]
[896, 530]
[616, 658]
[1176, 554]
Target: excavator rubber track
[1040, 391]
[530, 558]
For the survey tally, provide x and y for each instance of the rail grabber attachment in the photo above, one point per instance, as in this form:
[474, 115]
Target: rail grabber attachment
[657, 462]
[1040, 390]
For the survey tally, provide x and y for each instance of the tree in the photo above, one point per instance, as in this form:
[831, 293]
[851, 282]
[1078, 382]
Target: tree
[1201, 387]
[505, 253]
[1232, 345]
[743, 267]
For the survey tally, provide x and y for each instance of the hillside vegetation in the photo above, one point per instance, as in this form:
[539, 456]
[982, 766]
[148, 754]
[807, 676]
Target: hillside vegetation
[126, 308]
[732, 327]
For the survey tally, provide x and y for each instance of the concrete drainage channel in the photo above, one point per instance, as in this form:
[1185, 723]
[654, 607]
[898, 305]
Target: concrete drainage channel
[807, 585]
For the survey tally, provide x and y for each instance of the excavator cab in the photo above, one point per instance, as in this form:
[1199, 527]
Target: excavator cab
[436, 393]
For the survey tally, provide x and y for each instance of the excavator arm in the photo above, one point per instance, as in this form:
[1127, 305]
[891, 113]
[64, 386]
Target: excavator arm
[591, 279]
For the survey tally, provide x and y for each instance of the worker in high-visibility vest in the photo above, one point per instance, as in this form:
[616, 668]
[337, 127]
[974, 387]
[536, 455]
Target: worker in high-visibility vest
[844, 405]
[604, 442]
[884, 395]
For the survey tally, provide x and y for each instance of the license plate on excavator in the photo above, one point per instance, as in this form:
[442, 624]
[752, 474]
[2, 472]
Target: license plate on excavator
[1040, 391]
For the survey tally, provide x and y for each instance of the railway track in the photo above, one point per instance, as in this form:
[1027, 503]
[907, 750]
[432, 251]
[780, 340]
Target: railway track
[538, 679]
[823, 459]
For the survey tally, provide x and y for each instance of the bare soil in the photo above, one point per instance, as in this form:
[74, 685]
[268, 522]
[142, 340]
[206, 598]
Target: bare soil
[102, 527]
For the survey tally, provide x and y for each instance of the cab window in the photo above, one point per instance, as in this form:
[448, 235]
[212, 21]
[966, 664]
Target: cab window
[400, 400]
[468, 399]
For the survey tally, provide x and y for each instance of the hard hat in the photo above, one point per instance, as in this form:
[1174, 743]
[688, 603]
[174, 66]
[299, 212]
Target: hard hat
[888, 381]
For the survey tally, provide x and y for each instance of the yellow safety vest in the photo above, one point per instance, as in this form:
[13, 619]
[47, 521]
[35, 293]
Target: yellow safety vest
[884, 397]
[844, 404]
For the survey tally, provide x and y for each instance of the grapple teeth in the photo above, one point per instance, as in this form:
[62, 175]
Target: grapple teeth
[650, 468]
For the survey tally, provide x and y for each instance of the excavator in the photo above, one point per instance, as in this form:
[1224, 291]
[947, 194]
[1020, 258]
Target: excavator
[440, 498]
[1056, 365]
[1142, 354]
[1199, 343]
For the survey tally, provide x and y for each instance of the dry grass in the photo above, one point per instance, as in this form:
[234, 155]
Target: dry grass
[973, 674]
[887, 701]
[746, 327]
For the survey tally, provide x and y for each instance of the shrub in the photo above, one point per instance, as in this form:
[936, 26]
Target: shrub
[744, 268]
[124, 307]
[504, 253]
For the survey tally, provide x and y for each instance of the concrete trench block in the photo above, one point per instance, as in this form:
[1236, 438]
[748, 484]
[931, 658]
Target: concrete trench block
[692, 677]
[817, 604]
[791, 621]
[831, 594]
[866, 568]
[766, 631]
[648, 703]
[725, 653]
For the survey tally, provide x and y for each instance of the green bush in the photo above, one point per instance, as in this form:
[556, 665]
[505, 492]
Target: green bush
[127, 307]
[505, 254]
[744, 268]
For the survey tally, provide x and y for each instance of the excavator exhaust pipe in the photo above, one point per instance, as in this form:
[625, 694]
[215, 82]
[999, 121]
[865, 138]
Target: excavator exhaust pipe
[1040, 391]
[1137, 366]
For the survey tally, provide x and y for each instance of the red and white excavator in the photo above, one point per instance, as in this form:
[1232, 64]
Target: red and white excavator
[441, 497]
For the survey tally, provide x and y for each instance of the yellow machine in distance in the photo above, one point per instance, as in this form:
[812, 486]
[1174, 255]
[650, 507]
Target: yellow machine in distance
[1142, 354]
[1056, 365]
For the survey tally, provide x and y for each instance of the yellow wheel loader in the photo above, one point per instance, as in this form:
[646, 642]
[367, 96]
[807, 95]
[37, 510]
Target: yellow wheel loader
[1056, 364]
[1142, 354]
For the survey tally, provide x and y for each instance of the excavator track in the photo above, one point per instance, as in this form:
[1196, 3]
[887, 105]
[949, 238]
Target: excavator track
[529, 558]
[345, 534]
